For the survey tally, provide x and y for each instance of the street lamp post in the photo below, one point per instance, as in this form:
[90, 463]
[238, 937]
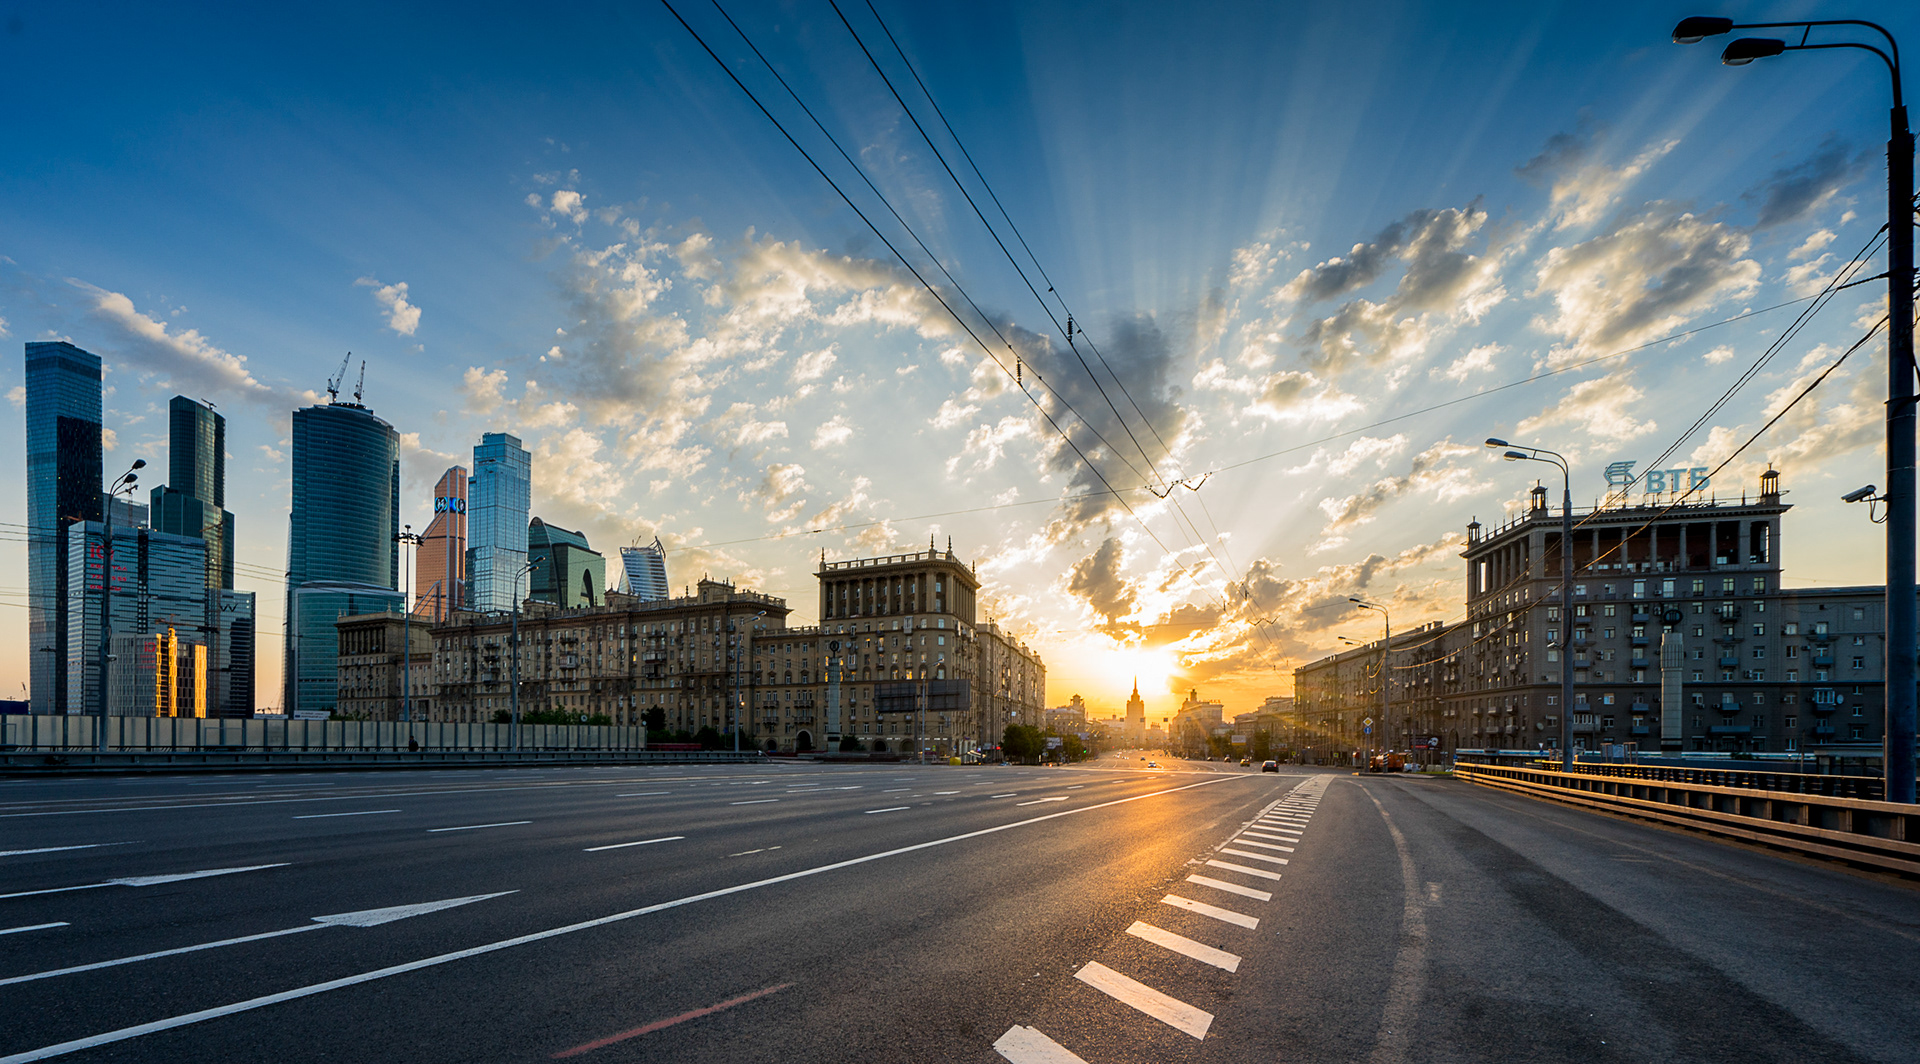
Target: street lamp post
[406, 539]
[513, 728]
[1518, 453]
[1903, 611]
[1386, 639]
[122, 486]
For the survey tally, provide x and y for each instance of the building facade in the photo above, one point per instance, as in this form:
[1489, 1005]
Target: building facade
[374, 677]
[440, 567]
[148, 584]
[343, 544]
[63, 486]
[646, 571]
[567, 572]
[498, 498]
[193, 501]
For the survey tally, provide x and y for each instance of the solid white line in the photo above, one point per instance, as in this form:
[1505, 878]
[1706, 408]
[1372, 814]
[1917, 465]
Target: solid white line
[477, 827]
[756, 801]
[57, 849]
[946, 792]
[1173, 1012]
[624, 845]
[1231, 888]
[1037, 801]
[889, 809]
[363, 812]
[1262, 845]
[1231, 867]
[895, 790]
[162, 953]
[32, 927]
[1178, 902]
[1185, 946]
[1075, 786]
[1251, 856]
[1024, 1045]
[147, 881]
[168, 1024]
[643, 794]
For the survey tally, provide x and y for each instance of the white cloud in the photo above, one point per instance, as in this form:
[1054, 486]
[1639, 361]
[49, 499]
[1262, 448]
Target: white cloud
[402, 317]
[832, 432]
[1605, 407]
[17, 395]
[1474, 361]
[185, 361]
[814, 364]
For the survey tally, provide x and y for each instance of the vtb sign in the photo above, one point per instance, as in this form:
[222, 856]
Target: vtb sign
[1656, 481]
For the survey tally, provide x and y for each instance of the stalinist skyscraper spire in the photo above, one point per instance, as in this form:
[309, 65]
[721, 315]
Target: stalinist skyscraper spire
[1136, 715]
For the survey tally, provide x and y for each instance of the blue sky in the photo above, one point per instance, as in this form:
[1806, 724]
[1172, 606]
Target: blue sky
[1281, 224]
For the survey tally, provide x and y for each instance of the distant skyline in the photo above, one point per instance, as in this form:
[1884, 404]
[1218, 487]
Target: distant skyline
[1288, 230]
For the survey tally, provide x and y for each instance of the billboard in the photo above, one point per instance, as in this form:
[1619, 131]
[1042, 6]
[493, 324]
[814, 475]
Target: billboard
[903, 696]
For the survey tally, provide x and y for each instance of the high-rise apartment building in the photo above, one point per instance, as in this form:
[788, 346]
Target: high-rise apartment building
[498, 498]
[157, 583]
[343, 543]
[646, 570]
[440, 568]
[566, 571]
[193, 501]
[63, 486]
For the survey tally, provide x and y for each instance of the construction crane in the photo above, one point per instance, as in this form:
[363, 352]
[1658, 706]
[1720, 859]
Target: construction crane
[361, 384]
[334, 382]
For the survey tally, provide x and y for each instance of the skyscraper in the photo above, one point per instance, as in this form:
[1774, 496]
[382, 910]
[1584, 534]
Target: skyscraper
[63, 486]
[498, 498]
[193, 501]
[646, 569]
[567, 571]
[159, 584]
[440, 571]
[342, 547]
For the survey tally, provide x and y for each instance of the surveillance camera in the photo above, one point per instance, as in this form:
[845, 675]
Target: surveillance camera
[1858, 495]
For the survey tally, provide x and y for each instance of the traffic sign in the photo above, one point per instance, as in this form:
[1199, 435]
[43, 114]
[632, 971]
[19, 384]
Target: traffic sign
[1368, 721]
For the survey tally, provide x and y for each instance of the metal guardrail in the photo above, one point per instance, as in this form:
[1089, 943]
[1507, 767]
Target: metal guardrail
[1830, 785]
[31, 763]
[1873, 834]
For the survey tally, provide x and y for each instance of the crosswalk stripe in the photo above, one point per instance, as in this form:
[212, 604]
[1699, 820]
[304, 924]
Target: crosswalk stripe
[1185, 946]
[1171, 1011]
[1231, 888]
[1262, 845]
[1287, 831]
[1024, 1045]
[1201, 907]
[1276, 838]
[1251, 856]
[1231, 867]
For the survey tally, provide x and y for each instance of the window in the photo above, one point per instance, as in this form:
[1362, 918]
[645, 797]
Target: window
[1639, 676]
[1699, 607]
[1819, 628]
[1606, 633]
[1579, 589]
[1790, 698]
[1820, 676]
[1793, 651]
[1639, 589]
[1790, 628]
[1793, 675]
[1608, 589]
[1553, 655]
[1607, 610]
[1760, 652]
[1699, 629]
[1553, 635]
[1759, 629]
[1856, 731]
[1553, 614]
[1606, 700]
[1640, 629]
[1790, 721]
[1859, 711]
[1607, 722]
[1696, 676]
[1726, 585]
[1859, 640]
[1859, 662]
[1859, 613]
[1579, 611]
[1759, 584]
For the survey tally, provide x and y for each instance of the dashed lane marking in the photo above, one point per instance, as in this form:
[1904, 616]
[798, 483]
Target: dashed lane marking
[889, 809]
[624, 845]
[643, 794]
[1009, 794]
[1037, 801]
[1201, 907]
[31, 927]
[1185, 946]
[1231, 867]
[57, 849]
[1171, 1011]
[362, 812]
[1024, 1045]
[1251, 856]
[1231, 888]
[477, 827]
[756, 801]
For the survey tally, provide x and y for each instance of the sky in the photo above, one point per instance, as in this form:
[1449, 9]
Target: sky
[1313, 254]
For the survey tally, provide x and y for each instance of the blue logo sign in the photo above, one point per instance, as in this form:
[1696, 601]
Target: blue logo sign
[449, 505]
[1657, 481]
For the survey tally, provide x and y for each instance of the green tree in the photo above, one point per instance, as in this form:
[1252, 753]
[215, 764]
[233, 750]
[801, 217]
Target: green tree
[1262, 747]
[709, 738]
[655, 718]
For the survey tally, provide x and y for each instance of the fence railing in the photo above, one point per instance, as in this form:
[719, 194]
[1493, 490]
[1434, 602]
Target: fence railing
[1876, 834]
[20, 733]
[1830, 785]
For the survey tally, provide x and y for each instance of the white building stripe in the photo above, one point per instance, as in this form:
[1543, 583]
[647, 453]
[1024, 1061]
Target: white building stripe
[1201, 907]
[1231, 867]
[1024, 1045]
[1171, 1011]
[1251, 856]
[1185, 946]
[1231, 888]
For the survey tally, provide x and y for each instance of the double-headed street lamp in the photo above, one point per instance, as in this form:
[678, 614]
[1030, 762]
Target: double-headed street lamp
[1386, 638]
[1519, 453]
[1903, 611]
[408, 538]
[513, 731]
[124, 485]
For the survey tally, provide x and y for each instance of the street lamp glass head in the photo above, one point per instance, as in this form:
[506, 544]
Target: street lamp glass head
[1747, 49]
[1699, 27]
[1492, 442]
[1515, 456]
[139, 463]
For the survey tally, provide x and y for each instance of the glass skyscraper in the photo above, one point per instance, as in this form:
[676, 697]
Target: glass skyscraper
[568, 572]
[193, 501]
[159, 584]
[498, 498]
[63, 486]
[342, 544]
[440, 571]
[646, 571]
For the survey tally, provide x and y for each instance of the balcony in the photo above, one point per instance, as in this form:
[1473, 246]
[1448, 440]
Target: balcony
[1642, 663]
[1641, 709]
[1729, 708]
[1823, 661]
[1821, 731]
[1729, 661]
[1730, 729]
[1640, 615]
[1641, 729]
[1637, 640]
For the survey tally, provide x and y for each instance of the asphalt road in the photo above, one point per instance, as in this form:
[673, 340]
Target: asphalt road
[1106, 913]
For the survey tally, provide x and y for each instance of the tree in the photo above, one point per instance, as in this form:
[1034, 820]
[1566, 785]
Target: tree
[655, 718]
[709, 738]
[1262, 748]
[851, 745]
[1022, 742]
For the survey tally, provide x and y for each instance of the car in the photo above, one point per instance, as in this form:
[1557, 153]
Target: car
[1270, 766]
[1245, 761]
[1153, 764]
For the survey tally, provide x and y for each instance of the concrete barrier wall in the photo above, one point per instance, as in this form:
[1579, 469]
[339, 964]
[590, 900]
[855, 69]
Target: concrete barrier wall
[22, 733]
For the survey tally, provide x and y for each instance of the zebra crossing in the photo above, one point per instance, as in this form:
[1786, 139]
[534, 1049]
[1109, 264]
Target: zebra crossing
[1277, 830]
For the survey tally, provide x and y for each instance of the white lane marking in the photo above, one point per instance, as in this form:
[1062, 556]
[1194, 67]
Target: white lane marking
[1231, 888]
[756, 801]
[1262, 845]
[1294, 836]
[1250, 833]
[1024, 1045]
[1009, 794]
[147, 881]
[1251, 856]
[265, 1000]
[57, 849]
[624, 845]
[32, 927]
[1185, 946]
[1178, 902]
[1075, 786]
[1037, 801]
[362, 812]
[889, 809]
[895, 790]
[477, 827]
[643, 794]
[1171, 1011]
[946, 792]
[364, 918]
[855, 787]
[1231, 867]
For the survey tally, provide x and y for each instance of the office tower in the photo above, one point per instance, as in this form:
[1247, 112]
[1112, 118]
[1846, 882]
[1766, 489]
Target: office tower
[193, 501]
[646, 569]
[126, 511]
[158, 583]
[567, 572]
[440, 567]
[63, 486]
[498, 498]
[342, 545]
[160, 674]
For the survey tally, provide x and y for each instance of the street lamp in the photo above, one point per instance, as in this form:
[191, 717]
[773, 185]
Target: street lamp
[1903, 612]
[1522, 453]
[1386, 732]
[124, 485]
[414, 539]
[513, 730]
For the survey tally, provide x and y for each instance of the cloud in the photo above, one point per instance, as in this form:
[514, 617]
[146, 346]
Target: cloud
[483, 389]
[402, 317]
[1582, 185]
[1296, 395]
[185, 361]
[1431, 472]
[1604, 407]
[570, 205]
[814, 364]
[17, 395]
[1793, 192]
[1098, 581]
[1365, 449]
[780, 492]
[832, 432]
[1474, 361]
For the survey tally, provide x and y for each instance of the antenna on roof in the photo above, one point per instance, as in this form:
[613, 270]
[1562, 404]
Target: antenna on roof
[361, 384]
[334, 382]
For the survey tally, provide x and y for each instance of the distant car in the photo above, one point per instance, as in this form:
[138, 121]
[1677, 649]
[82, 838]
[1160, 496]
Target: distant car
[1153, 764]
[1270, 766]
[1246, 761]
